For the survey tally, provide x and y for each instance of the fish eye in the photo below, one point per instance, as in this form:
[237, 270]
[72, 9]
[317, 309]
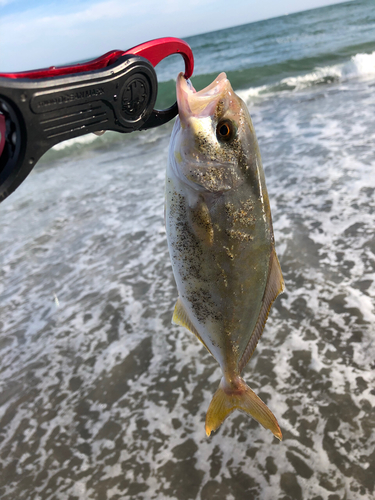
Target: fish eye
[225, 130]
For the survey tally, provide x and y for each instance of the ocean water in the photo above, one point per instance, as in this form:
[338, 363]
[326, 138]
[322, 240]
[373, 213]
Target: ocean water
[101, 397]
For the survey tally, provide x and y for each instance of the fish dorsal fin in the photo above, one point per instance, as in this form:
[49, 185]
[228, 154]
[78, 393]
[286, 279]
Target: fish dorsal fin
[181, 318]
[275, 285]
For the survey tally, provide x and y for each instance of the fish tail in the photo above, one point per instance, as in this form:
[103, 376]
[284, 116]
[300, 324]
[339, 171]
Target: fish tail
[239, 397]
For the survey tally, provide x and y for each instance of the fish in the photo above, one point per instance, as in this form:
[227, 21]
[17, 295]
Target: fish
[220, 239]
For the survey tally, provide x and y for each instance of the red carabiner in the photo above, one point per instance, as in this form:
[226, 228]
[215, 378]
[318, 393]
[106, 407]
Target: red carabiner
[159, 49]
[154, 51]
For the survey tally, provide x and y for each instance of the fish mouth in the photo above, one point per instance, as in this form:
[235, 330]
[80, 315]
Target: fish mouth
[202, 103]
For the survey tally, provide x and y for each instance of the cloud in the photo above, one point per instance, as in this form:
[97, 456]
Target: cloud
[43, 35]
[62, 33]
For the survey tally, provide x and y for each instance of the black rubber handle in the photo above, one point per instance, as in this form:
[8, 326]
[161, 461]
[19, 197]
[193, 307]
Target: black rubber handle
[43, 112]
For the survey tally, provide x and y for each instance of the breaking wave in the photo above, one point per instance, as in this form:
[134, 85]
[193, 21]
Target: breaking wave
[359, 66]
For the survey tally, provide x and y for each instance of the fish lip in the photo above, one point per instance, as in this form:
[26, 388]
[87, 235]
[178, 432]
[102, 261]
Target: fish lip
[200, 103]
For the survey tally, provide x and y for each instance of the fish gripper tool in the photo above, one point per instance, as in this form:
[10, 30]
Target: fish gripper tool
[117, 91]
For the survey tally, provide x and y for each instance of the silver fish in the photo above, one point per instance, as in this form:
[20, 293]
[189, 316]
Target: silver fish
[220, 239]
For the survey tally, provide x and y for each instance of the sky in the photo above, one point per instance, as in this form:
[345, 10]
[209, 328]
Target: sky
[40, 33]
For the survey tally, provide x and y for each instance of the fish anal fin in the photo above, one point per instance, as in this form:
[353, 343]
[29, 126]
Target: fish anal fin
[275, 285]
[243, 399]
[181, 318]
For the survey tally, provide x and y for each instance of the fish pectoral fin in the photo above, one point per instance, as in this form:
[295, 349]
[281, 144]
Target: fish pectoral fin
[275, 285]
[181, 318]
[244, 399]
[200, 222]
